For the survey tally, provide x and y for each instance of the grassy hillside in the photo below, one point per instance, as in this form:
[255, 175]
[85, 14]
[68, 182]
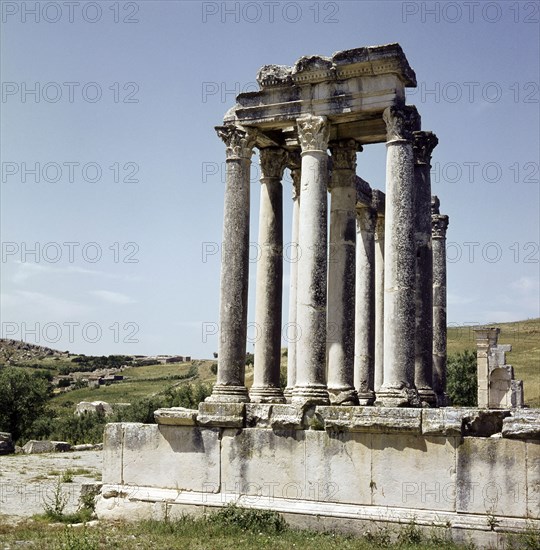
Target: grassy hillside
[524, 337]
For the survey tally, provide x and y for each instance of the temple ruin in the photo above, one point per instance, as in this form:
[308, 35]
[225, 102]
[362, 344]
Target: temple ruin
[363, 432]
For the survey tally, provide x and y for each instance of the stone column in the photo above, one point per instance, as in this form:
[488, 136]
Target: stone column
[294, 253]
[341, 274]
[423, 145]
[364, 341]
[378, 204]
[313, 133]
[266, 387]
[230, 384]
[400, 258]
[438, 236]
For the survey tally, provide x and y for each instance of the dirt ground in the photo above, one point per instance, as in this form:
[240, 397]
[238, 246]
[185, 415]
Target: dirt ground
[28, 482]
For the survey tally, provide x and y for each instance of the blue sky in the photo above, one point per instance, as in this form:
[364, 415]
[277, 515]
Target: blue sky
[120, 129]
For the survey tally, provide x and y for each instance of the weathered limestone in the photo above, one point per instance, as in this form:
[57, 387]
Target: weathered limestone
[292, 328]
[497, 388]
[423, 145]
[266, 386]
[364, 341]
[341, 274]
[6, 444]
[379, 205]
[313, 133]
[400, 259]
[439, 224]
[230, 385]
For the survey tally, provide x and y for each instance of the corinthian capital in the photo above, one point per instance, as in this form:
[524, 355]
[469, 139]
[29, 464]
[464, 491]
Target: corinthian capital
[273, 161]
[313, 132]
[423, 145]
[344, 154]
[439, 224]
[435, 204]
[401, 122]
[239, 142]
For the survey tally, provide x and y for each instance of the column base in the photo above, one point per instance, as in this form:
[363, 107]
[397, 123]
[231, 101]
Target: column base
[427, 395]
[398, 397]
[366, 398]
[228, 394]
[442, 400]
[266, 394]
[310, 395]
[287, 393]
[343, 396]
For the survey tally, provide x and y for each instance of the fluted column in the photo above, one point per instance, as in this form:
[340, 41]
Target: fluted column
[341, 274]
[230, 384]
[438, 236]
[266, 387]
[294, 252]
[378, 202]
[364, 342]
[423, 145]
[399, 254]
[313, 134]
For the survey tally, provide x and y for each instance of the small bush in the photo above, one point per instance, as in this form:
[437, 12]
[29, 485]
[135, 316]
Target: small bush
[258, 521]
[462, 381]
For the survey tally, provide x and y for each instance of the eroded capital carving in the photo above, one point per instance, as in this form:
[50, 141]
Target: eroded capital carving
[439, 225]
[344, 154]
[423, 145]
[313, 132]
[273, 162]
[367, 219]
[401, 122]
[239, 143]
[435, 204]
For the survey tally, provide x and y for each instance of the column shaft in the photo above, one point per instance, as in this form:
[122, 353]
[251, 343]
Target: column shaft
[294, 252]
[423, 145]
[364, 342]
[313, 132]
[341, 274]
[400, 258]
[266, 378]
[439, 226]
[379, 303]
[230, 384]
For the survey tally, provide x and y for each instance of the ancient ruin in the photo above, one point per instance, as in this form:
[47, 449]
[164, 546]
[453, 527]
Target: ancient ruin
[363, 431]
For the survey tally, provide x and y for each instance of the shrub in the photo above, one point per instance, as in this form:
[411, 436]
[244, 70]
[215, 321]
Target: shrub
[462, 382]
[258, 521]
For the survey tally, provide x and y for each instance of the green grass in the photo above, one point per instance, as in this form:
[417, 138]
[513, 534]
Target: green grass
[524, 336]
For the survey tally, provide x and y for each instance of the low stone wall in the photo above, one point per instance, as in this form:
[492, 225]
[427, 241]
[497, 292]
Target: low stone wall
[472, 470]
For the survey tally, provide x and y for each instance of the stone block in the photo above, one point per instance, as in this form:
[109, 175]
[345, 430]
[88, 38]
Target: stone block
[222, 415]
[445, 421]
[382, 420]
[338, 466]
[35, 447]
[258, 415]
[491, 477]
[533, 479]
[413, 472]
[285, 417]
[176, 457]
[6, 444]
[522, 424]
[113, 440]
[176, 416]
[265, 464]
